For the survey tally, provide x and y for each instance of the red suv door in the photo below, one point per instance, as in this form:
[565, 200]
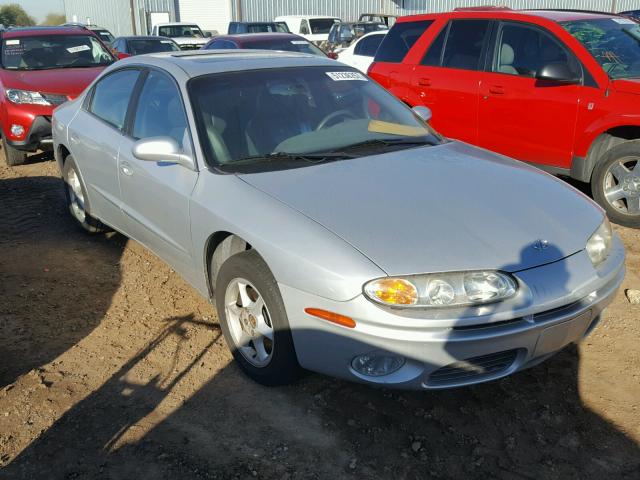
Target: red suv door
[447, 79]
[523, 117]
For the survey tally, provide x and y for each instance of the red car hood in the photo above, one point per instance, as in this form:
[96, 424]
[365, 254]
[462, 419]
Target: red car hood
[628, 85]
[64, 81]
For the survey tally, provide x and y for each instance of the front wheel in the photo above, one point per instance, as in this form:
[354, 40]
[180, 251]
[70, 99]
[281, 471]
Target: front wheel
[616, 184]
[254, 321]
[13, 156]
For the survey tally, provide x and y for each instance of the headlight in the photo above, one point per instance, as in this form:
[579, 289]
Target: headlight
[442, 289]
[25, 96]
[599, 244]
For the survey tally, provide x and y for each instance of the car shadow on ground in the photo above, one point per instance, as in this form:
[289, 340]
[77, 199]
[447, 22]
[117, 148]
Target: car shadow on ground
[44, 263]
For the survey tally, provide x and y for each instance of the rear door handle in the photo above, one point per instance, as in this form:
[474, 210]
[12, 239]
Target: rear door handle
[126, 169]
[424, 82]
[496, 89]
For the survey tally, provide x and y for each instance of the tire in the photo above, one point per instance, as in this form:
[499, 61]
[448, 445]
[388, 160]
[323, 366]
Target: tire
[13, 156]
[77, 198]
[281, 367]
[616, 183]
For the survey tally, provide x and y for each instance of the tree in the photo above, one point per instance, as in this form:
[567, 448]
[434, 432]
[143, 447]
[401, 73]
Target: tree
[14, 14]
[54, 19]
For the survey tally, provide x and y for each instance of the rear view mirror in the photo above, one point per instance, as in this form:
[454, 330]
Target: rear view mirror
[557, 72]
[423, 112]
[162, 149]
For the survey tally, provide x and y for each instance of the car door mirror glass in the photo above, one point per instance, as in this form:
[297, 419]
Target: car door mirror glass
[424, 113]
[557, 72]
[162, 149]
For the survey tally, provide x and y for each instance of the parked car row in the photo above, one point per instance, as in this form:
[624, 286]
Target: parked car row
[334, 223]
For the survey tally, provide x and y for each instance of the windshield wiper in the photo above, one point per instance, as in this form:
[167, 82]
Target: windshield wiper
[388, 143]
[306, 157]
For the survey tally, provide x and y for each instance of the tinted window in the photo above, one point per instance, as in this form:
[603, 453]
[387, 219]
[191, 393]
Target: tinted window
[368, 46]
[142, 46]
[322, 25]
[464, 44]
[111, 97]
[433, 56]
[160, 112]
[400, 39]
[304, 28]
[192, 31]
[220, 45]
[287, 44]
[523, 50]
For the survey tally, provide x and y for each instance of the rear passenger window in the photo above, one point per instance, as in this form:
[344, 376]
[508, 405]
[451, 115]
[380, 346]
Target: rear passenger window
[464, 44]
[368, 46]
[111, 97]
[400, 39]
[433, 57]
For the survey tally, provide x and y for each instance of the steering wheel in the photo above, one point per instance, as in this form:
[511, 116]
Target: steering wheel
[332, 116]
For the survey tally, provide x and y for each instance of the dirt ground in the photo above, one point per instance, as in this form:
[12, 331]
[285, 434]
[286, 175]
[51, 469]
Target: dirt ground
[112, 367]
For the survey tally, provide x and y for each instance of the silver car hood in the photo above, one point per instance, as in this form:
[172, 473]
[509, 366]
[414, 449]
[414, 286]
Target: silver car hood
[444, 208]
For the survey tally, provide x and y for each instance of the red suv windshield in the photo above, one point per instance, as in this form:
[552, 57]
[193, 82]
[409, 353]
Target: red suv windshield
[614, 42]
[44, 52]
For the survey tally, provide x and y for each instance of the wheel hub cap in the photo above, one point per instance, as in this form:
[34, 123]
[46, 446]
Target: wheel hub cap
[622, 185]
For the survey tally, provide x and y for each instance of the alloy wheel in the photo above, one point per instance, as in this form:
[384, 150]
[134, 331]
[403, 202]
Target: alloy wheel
[622, 185]
[76, 196]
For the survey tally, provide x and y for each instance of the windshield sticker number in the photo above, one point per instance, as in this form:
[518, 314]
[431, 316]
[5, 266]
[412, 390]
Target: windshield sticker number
[298, 42]
[624, 21]
[165, 41]
[79, 48]
[340, 76]
[12, 42]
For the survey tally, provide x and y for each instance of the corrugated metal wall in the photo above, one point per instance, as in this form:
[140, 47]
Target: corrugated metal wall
[115, 15]
[256, 10]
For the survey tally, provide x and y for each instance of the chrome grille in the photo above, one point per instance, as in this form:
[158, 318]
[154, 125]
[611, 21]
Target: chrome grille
[473, 369]
[54, 99]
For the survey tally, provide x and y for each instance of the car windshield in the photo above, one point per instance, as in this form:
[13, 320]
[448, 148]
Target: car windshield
[284, 115]
[173, 31]
[321, 25]
[263, 28]
[614, 42]
[142, 46]
[105, 36]
[43, 52]
[287, 44]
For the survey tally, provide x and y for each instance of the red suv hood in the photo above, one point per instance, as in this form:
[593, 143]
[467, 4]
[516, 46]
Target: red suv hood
[65, 81]
[628, 86]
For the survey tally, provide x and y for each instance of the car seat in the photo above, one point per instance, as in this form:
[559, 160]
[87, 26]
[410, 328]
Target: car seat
[507, 57]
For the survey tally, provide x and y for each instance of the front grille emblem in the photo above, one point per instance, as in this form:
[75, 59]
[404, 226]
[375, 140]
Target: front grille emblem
[541, 245]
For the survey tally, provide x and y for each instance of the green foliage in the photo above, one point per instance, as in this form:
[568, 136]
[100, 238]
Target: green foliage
[14, 14]
[54, 19]
[587, 33]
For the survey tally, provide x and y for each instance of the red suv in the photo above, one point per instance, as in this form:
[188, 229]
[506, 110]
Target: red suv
[43, 67]
[559, 89]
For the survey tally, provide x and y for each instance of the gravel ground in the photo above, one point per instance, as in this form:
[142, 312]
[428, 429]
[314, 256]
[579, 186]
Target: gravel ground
[112, 367]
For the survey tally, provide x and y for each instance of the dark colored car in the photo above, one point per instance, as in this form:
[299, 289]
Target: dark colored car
[257, 27]
[388, 20]
[344, 34]
[559, 89]
[139, 45]
[635, 14]
[265, 41]
[43, 67]
[103, 34]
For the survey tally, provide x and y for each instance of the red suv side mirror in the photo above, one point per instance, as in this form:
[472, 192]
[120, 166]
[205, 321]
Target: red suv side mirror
[122, 55]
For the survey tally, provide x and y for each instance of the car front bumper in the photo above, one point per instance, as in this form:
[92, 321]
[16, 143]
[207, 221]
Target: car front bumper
[38, 135]
[557, 304]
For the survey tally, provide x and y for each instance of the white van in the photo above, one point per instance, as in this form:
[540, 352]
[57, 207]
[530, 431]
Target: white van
[315, 28]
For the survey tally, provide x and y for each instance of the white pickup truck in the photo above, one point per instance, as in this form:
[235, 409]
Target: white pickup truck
[188, 36]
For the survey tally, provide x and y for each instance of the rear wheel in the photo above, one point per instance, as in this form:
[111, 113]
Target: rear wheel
[12, 155]
[77, 201]
[616, 183]
[254, 321]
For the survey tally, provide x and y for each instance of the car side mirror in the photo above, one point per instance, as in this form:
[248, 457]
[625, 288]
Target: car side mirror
[162, 149]
[423, 112]
[122, 55]
[557, 72]
[207, 34]
[345, 38]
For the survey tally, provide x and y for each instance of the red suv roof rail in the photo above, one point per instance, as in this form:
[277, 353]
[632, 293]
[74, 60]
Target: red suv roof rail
[482, 8]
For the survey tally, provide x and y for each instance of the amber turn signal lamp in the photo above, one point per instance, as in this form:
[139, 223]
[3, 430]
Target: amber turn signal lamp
[331, 317]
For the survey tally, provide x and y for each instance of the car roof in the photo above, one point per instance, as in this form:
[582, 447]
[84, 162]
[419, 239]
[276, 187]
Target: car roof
[202, 62]
[143, 37]
[175, 24]
[35, 31]
[505, 12]
[252, 37]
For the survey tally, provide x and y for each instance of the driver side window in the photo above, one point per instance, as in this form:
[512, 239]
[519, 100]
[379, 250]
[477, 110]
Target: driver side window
[111, 95]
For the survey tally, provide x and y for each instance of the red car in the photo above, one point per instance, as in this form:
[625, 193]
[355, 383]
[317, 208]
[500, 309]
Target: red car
[43, 67]
[560, 89]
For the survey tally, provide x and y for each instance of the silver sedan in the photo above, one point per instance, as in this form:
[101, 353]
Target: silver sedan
[333, 229]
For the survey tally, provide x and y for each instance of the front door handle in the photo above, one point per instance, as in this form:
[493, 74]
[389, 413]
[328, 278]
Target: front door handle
[424, 82]
[496, 89]
[126, 169]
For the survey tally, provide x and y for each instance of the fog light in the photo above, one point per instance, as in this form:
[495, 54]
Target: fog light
[377, 364]
[17, 130]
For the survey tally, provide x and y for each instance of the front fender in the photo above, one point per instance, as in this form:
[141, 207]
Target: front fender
[602, 125]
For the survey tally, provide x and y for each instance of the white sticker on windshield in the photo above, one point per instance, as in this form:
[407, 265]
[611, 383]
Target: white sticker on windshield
[166, 41]
[79, 48]
[12, 42]
[624, 21]
[299, 42]
[338, 76]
